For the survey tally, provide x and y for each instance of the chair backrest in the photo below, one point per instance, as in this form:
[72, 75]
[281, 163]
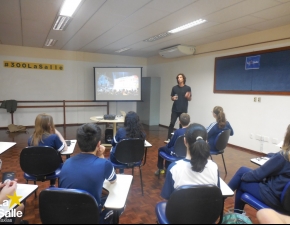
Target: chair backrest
[129, 151]
[192, 204]
[222, 139]
[67, 206]
[179, 147]
[285, 198]
[39, 161]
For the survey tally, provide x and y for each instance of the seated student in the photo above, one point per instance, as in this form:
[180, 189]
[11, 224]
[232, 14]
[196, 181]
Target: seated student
[8, 188]
[196, 168]
[184, 120]
[45, 134]
[132, 129]
[267, 182]
[215, 128]
[270, 216]
[88, 169]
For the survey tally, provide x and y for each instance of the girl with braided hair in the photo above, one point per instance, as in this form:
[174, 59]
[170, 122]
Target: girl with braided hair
[196, 168]
[220, 125]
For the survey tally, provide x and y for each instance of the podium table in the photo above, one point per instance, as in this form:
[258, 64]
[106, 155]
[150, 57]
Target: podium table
[100, 119]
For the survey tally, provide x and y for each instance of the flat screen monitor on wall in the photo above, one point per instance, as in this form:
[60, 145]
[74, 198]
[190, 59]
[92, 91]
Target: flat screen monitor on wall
[117, 83]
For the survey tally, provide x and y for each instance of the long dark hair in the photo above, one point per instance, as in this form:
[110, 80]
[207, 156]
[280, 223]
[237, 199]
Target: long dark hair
[133, 126]
[196, 136]
[184, 77]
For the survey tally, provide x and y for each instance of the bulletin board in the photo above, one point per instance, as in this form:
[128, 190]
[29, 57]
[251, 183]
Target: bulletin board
[260, 72]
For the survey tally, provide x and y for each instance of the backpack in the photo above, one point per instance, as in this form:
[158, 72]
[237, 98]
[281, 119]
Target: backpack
[16, 128]
[236, 218]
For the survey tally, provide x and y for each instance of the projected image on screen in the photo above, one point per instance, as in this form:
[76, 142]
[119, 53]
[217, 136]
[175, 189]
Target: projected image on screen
[118, 84]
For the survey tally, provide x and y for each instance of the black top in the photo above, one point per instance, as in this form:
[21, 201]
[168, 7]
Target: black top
[181, 104]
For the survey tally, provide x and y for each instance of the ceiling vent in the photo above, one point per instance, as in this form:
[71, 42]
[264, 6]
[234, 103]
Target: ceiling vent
[177, 51]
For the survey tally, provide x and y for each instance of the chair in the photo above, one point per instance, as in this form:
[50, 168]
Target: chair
[220, 143]
[130, 153]
[255, 203]
[179, 149]
[192, 204]
[40, 163]
[67, 206]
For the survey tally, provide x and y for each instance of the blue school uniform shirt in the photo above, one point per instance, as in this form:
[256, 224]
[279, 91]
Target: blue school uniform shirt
[86, 172]
[51, 140]
[212, 132]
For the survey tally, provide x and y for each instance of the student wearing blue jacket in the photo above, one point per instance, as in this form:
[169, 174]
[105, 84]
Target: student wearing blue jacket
[267, 182]
[184, 121]
[220, 125]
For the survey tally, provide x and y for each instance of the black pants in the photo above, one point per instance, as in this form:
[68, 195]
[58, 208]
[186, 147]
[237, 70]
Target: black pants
[174, 116]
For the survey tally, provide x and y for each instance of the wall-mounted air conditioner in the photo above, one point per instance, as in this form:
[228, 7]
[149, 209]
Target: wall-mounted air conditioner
[177, 51]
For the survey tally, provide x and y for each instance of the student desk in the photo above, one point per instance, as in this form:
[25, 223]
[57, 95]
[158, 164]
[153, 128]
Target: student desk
[4, 146]
[226, 191]
[24, 190]
[70, 149]
[118, 193]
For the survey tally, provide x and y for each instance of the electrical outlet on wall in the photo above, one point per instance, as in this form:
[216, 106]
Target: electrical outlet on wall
[258, 137]
[274, 140]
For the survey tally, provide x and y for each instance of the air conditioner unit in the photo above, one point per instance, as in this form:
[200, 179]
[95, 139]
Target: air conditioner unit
[177, 51]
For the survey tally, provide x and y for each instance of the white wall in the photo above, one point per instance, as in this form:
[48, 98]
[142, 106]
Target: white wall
[76, 82]
[269, 118]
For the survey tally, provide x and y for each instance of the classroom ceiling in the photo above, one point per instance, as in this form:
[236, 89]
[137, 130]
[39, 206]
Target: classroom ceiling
[105, 26]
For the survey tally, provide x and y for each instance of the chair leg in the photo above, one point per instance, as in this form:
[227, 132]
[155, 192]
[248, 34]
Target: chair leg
[141, 179]
[211, 157]
[224, 164]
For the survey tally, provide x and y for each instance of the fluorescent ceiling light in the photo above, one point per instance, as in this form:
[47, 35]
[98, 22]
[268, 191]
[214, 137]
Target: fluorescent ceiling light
[69, 7]
[186, 26]
[156, 37]
[122, 50]
[50, 42]
[60, 23]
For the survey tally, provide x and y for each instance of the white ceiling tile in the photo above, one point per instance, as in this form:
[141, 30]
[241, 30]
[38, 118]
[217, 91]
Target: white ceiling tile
[240, 9]
[234, 24]
[104, 26]
[281, 21]
[169, 5]
[274, 12]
